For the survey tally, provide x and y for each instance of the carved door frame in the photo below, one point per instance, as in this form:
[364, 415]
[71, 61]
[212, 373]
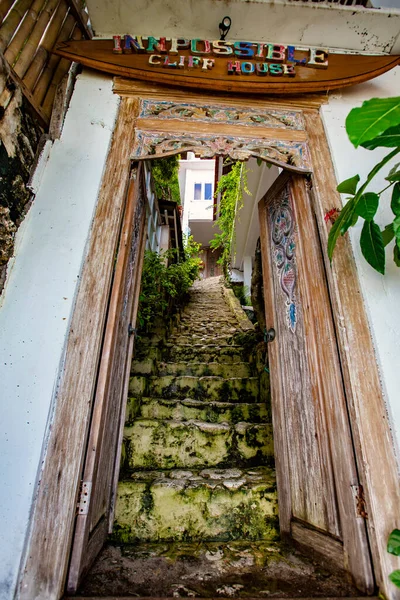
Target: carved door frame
[44, 568]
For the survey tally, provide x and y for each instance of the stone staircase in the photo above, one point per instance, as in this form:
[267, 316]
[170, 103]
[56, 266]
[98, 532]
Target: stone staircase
[196, 513]
[198, 447]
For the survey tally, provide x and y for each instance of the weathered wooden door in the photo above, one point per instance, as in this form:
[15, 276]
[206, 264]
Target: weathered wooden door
[318, 487]
[95, 508]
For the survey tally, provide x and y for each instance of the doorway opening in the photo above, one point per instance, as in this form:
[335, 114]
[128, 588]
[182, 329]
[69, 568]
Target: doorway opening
[317, 478]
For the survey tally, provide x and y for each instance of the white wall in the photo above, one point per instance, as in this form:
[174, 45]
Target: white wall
[37, 303]
[381, 293]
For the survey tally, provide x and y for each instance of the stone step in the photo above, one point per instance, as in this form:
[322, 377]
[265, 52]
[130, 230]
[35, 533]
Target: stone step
[235, 389]
[205, 353]
[200, 369]
[203, 338]
[190, 409]
[158, 444]
[213, 504]
[215, 329]
[196, 369]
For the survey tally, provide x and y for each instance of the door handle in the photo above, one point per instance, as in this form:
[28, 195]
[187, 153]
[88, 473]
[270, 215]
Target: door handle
[269, 335]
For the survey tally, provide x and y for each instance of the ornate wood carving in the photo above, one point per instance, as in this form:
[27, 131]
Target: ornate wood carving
[292, 155]
[221, 113]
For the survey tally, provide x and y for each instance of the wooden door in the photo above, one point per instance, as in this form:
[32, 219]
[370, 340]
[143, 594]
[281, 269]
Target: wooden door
[95, 506]
[318, 487]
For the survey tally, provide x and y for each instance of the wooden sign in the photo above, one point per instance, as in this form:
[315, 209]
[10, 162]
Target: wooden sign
[227, 66]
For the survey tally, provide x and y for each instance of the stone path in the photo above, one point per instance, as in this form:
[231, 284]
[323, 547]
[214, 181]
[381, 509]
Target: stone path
[198, 448]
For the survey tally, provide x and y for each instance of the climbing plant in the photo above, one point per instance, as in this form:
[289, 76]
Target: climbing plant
[231, 187]
[376, 124]
[166, 281]
[165, 177]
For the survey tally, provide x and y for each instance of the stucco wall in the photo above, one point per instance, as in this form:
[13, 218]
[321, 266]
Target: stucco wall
[381, 293]
[38, 300]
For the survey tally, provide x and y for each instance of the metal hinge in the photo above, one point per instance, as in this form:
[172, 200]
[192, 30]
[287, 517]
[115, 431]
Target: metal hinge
[84, 498]
[359, 501]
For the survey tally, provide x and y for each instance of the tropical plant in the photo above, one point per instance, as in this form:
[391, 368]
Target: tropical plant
[376, 124]
[166, 281]
[165, 178]
[231, 187]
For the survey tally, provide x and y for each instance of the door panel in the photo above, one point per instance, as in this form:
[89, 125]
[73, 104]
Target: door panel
[316, 469]
[92, 522]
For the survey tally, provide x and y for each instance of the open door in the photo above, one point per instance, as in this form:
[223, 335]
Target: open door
[94, 512]
[318, 488]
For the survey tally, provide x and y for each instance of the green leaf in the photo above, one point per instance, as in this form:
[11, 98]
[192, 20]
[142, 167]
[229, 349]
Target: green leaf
[387, 234]
[396, 255]
[367, 206]
[396, 226]
[393, 545]
[394, 173]
[343, 221]
[395, 578]
[395, 202]
[388, 139]
[349, 186]
[372, 247]
[373, 118]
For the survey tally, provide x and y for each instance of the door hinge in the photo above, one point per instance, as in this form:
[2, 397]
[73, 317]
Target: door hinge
[359, 501]
[84, 498]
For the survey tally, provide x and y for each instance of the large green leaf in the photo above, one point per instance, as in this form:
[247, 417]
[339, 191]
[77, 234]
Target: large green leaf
[349, 186]
[393, 545]
[388, 139]
[367, 206]
[373, 118]
[372, 247]
[395, 202]
[387, 234]
[395, 577]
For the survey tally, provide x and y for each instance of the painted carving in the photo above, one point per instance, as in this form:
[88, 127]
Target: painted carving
[151, 144]
[219, 113]
[283, 249]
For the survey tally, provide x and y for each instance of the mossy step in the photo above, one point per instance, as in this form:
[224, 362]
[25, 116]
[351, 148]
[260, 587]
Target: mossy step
[200, 369]
[205, 353]
[158, 444]
[234, 389]
[196, 369]
[210, 505]
[189, 409]
[204, 337]
[207, 329]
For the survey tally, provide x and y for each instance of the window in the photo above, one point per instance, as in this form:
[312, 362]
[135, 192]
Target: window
[203, 191]
[197, 191]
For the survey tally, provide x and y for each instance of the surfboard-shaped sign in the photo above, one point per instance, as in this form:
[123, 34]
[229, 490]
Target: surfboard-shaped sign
[228, 66]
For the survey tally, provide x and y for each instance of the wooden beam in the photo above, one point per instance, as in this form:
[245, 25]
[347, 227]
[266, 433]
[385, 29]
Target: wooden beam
[53, 516]
[82, 21]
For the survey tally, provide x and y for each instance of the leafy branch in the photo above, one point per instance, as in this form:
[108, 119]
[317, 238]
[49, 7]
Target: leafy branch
[375, 124]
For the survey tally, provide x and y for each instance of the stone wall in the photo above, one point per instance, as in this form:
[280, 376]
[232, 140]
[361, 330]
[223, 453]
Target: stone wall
[19, 139]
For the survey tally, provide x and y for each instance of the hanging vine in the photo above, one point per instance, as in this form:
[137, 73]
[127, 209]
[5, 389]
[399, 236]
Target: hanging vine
[231, 187]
